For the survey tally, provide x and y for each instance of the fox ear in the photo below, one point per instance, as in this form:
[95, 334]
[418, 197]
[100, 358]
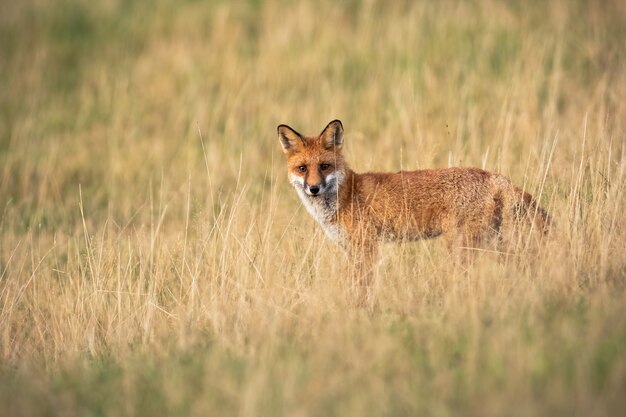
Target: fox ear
[290, 140]
[332, 135]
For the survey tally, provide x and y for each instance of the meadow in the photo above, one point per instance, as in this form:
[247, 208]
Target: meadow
[154, 259]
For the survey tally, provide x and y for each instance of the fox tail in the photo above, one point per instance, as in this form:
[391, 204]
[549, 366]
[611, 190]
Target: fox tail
[527, 208]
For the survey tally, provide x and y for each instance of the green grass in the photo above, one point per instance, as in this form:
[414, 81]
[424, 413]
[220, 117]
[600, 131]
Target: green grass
[155, 261]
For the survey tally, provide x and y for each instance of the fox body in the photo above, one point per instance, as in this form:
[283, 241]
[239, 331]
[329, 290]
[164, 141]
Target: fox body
[464, 205]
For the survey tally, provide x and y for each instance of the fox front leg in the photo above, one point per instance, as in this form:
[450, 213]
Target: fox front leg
[363, 256]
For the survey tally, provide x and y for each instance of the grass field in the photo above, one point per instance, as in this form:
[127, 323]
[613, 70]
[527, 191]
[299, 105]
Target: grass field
[155, 261]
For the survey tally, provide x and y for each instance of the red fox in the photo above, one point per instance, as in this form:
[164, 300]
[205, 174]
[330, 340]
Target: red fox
[466, 206]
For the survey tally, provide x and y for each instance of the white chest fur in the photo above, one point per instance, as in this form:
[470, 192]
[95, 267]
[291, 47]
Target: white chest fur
[323, 209]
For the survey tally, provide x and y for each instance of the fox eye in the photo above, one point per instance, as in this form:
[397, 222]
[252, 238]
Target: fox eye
[302, 168]
[324, 167]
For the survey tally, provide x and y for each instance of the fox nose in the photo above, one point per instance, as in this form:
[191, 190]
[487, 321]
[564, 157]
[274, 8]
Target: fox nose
[314, 189]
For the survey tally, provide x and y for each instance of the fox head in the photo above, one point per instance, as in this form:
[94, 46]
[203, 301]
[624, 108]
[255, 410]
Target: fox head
[315, 163]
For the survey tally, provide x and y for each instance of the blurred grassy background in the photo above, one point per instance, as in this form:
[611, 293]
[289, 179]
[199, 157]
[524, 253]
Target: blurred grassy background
[154, 260]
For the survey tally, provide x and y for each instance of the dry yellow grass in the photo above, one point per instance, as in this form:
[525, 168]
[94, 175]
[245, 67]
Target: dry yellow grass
[155, 261]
